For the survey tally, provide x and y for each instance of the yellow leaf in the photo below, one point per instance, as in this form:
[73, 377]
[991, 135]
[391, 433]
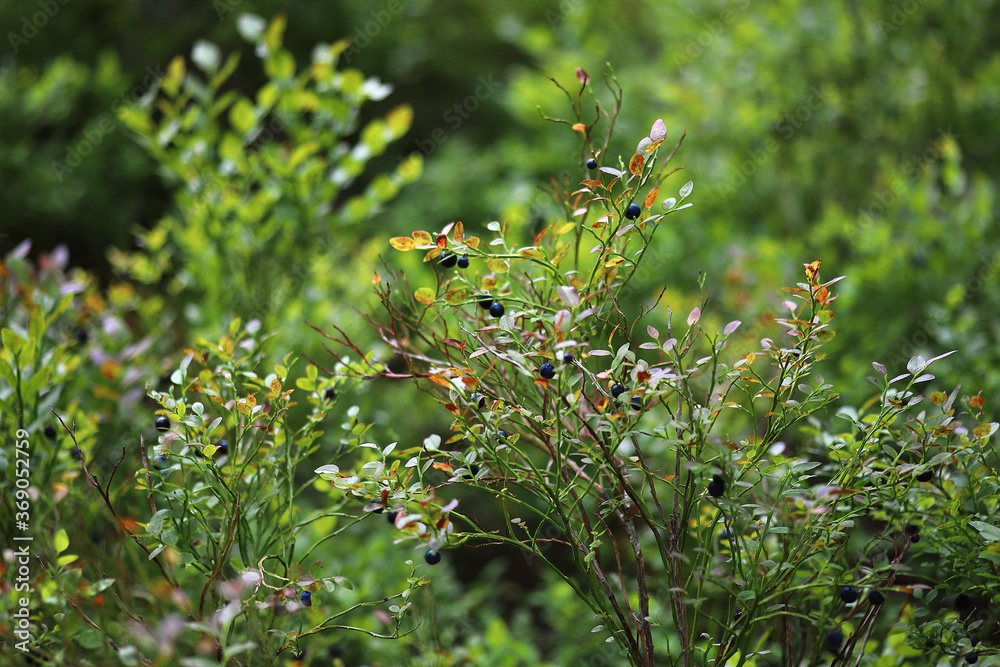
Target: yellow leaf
[455, 296]
[635, 164]
[424, 295]
[530, 252]
[276, 386]
[459, 234]
[472, 242]
[422, 237]
[403, 243]
[61, 541]
[566, 227]
[498, 265]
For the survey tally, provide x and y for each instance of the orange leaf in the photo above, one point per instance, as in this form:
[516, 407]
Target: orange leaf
[376, 279]
[442, 241]
[812, 269]
[651, 197]
[579, 127]
[403, 243]
[438, 380]
[635, 164]
[459, 234]
[592, 184]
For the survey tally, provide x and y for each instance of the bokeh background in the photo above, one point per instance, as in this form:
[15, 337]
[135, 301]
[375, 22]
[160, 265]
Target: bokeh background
[862, 133]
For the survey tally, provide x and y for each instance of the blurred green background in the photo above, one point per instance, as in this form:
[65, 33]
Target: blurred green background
[862, 133]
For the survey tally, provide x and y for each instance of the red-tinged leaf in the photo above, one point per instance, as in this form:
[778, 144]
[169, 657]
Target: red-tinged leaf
[455, 297]
[530, 252]
[403, 243]
[422, 237]
[459, 232]
[577, 283]
[579, 127]
[592, 184]
[653, 146]
[442, 241]
[603, 403]
[635, 164]
[488, 284]
[468, 381]
[472, 242]
[976, 402]
[581, 75]
[424, 295]
[453, 409]
[445, 467]
[938, 397]
[812, 269]
[985, 430]
[651, 197]
[454, 343]
[541, 382]
[438, 380]
[795, 290]
[376, 279]
[541, 235]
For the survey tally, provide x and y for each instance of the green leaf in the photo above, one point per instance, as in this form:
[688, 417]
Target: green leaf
[243, 116]
[988, 532]
[61, 541]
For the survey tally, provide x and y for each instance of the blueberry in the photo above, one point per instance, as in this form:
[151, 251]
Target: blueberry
[834, 639]
[306, 598]
[875, 598]
[485, 302]
[447, 259]
[633, 211]
[636, 403]
[432, 557]
[972, 658]
[502, 434]
[223, 448]
[547, 371]
[912, 529]
[463, 262]
[479, 399]
[391, 517]
[925, 476]
[75, 454]
[849, 594]
[474, 469]
[496, 309]
[591, 163]
[963, 602]
[378, 506]
[330, 394]
[160, 462]
[81, 335]
[162, 423]
[973, 640]
[568, 358]
[50, 432]
[617, 390]
[717, 486]
[915, 538]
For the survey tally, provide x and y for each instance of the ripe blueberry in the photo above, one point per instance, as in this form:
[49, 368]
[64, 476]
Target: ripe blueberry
[636, 403]
[391, 517]
[547, 371]
[849, 594]
[972, 658]
[432, 557]
[159, 462]
[633, 211]
[591, 163]
[834, 639]
[162, 423]
[502, 434]
[925, 476]
[912, 529]
[485, 302]
[717, 486]
[479, 399]
[617, 390]
[567, 358]
[963, 602]
[330, 394]
[81, 335]
[875, 598]
[463, 262]
[973, 640]
[306, 598]
[223, 448]
[915, 538]
[447, 259]
[496, 309]
[50, 432]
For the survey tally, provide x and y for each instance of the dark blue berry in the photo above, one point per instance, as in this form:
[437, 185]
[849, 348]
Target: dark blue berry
[617, 389]
[502, 434]
[391, 517]
[447, 259]
[432, 557]
[162, 423]
[50, 432]
[81, 335]
[306, 598]
[330, 394]
[591, 163]
[972, 658]
[717, 486]
[223, 448]
[849, 594]
[568, 358]
[485, 302]
[636, 403]
[912, 529]
[925, 476]
[160, 462]
[479, 399]
[633, 211]
[496, 309]
[973, 640]
[875, 598]
[75, 454]
[547, 371]
[463, 262]
[834, 639]
[963, 602]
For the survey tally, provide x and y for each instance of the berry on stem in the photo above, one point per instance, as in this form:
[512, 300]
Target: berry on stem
[633, 211]
[636, 403]
[330, 394]
[159, 462]
[972, 658]
[834, 639]
[849, 594]
[447, 259]
[50, 432]
[568, 358]
[925, 476]
[432, 557]
[463, 262]
[617, 390]
[223, 448]
[875, 598]
[496, 309]
[306, 598]
[502, 434]
[591, 163]
[547, 371]
[162, 423]
[717, 486]
[391, 517]
[485, 302]
[478, 399]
